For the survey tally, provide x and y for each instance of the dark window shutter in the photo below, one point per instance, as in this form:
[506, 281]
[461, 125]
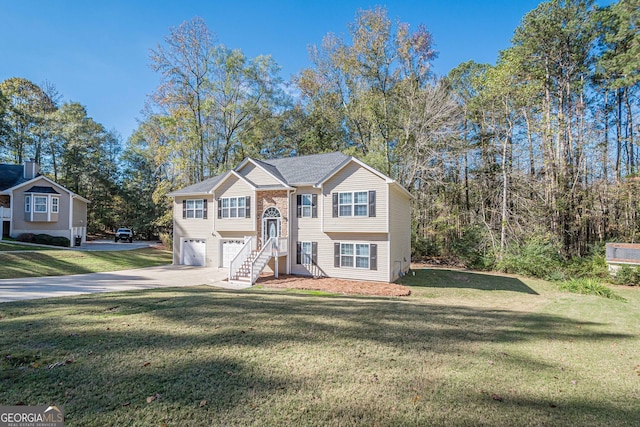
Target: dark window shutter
[335, 205]
[373, 257]
[336, 254]
[298, 252]
[372, 203]
[247, 207]
[184, 209]
[219, 208]
[205, 202]
[314, 206]
[299, 205]
[314, 253]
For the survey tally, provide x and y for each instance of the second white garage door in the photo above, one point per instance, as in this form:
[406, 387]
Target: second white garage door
[194, 252]
[230, 249]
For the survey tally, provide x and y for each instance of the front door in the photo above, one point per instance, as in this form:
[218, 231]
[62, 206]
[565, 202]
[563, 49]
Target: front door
[271, 228]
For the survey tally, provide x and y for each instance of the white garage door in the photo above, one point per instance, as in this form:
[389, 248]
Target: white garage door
[230, 249]
[194, 252]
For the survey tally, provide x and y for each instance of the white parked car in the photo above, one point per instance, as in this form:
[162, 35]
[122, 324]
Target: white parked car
[124, 234]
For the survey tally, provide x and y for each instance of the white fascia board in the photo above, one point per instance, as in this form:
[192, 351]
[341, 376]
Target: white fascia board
[274, 187]
[200, 193]
[31, 181]
[401, 188]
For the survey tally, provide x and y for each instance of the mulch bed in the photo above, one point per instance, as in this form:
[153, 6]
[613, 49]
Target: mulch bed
[338, 286]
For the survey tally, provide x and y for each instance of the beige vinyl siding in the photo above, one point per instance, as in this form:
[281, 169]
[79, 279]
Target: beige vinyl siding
[400, 232]
[194, 228]
[257, 176]
[354, 177]
[305, 230]
[326, 260]
[309, 230]
[79, 213]
[57, 227]
[235, 187]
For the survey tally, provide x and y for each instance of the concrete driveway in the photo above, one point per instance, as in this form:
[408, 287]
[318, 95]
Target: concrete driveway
[110, 245]
[114, 281]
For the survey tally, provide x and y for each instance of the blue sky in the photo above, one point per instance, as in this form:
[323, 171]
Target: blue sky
[97, 53]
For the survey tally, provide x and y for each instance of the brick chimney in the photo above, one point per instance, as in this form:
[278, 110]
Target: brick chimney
[31, 169]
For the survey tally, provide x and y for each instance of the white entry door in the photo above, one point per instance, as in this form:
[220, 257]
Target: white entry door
[194, 252]
[230, 249]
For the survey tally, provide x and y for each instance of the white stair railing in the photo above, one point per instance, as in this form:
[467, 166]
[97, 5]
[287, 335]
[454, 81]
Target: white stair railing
[262, 259]
[240, 257]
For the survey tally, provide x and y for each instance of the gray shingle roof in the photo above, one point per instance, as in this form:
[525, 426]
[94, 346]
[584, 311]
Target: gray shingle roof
[307, 169]
[10, 176]
[200, 187]
[290, 170]
[41, 190]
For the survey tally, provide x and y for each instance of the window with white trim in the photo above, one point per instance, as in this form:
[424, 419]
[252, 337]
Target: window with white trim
[233, 207]
[27, 204]
[353, 203]
[305, 253]
[194, 208]
[354, 255]
[40, 204]
[55, 204]
[306, 204]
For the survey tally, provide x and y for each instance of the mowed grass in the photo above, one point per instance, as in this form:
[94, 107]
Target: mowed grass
[464, 349]
[65, 262]
[8, 246]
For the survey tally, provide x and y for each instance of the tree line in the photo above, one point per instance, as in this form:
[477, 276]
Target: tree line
[540, 147]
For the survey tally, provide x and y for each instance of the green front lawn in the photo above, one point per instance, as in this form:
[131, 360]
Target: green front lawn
[9, 246]
[464, 349]
[64, 262]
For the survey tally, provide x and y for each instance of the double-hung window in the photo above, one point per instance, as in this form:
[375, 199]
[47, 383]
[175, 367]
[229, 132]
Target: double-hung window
[233, 207]
[353, 203]
[360, 203]
[40, 204]
[55, 204]
[306, 252]
[27, 204]
[356, 255]
[306, 204]
[194, 209]
[362, 255]
[346, 255]
[345, 204]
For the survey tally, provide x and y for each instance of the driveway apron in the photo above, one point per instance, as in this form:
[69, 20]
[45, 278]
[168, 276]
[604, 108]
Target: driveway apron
[114, 281]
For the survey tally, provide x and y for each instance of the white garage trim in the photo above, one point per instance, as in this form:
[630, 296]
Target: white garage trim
[194, 252]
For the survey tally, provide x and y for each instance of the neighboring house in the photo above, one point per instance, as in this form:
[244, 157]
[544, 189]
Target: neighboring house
[320, 215]
[32, 203]
[622, 254]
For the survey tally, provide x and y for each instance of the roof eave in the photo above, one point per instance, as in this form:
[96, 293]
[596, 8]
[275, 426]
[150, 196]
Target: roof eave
[9, 191]
[258, 165]
[194, 193]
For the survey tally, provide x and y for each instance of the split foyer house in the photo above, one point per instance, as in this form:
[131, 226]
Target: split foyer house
[319, 215]
[32, 203]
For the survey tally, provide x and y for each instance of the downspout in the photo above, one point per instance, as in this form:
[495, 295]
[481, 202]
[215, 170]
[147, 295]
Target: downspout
[389, 266]
[289, 235]
[71, 236]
